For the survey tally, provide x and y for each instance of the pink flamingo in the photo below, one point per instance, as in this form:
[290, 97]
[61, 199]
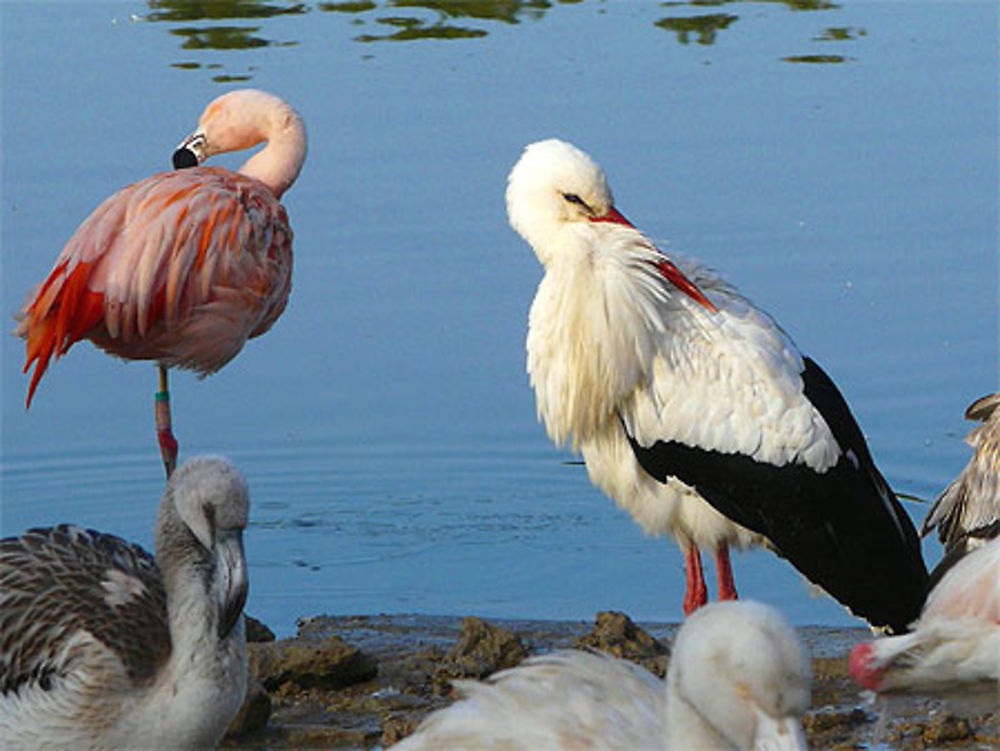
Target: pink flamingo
[184, 266]
[957, 637]
[955, 641]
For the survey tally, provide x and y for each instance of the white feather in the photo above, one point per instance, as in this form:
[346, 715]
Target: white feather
[738, 679]
[611, 341]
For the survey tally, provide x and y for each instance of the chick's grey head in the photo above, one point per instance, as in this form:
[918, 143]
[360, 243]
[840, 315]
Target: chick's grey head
[210, 497]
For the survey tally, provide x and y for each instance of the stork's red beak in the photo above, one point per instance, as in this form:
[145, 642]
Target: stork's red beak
[614, 216]
[673, 275]
[670, 272]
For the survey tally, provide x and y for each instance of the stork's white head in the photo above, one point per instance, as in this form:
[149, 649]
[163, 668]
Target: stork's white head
[554, 185]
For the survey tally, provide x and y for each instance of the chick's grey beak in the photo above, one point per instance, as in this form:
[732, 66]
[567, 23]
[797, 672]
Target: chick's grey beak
[190, 152]
[232, 582]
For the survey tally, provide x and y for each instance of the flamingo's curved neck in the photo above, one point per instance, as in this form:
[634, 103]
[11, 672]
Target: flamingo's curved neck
[278, 163]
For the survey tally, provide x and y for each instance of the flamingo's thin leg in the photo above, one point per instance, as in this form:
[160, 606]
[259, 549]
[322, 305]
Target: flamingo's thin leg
[164, 434]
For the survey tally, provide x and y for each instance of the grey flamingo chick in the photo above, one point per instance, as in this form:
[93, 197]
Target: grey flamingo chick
[103, 646]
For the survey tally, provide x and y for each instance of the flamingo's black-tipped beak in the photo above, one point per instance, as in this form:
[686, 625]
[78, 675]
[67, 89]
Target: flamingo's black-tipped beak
[191, 151]
[184, 158]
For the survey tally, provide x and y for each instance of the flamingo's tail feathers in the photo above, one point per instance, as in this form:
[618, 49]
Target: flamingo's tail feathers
[40, 356]
[61, 312]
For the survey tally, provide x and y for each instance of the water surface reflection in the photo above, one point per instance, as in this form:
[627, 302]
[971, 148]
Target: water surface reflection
[790, 4]
[414, 20]
[701, 29]
[185, 10]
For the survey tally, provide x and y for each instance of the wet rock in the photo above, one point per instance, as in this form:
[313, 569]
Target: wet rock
[397, 727]
[831, 681]
[945, 727]
[480, 650]
[253, 715]
[317, 736]
[825, 720]
[292, 664]
[257, 631]
[616, 634]
[412, 650]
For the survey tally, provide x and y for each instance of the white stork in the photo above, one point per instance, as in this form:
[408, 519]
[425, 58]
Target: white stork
[738, 680]
[693, 409]
[103, 646]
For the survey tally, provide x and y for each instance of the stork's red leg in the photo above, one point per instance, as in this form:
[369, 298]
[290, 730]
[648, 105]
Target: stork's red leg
[724, 574]
[164, 434]
[695, 593]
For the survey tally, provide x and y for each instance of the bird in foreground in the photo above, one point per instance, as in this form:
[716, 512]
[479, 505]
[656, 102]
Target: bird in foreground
[693, 409]
[967, 513]
[103, 646]
[184, 266]
[738, 679]
[956, 640]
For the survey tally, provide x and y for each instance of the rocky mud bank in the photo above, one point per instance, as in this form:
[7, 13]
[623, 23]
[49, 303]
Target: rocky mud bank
[364, 682]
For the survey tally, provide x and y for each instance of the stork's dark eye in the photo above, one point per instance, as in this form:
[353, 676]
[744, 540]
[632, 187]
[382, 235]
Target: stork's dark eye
[574, 198]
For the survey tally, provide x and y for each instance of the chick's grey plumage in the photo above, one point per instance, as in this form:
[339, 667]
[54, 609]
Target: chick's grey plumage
[102, 645]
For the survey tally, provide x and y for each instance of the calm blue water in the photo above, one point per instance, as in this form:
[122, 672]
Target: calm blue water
[838, 164]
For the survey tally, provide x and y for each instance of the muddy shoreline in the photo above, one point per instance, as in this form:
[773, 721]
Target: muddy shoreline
[364, 682]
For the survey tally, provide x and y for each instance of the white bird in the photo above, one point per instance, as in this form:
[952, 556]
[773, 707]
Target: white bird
[956, 640]
[101, 646]
[738, 679]
[967, 513]
[693, 409]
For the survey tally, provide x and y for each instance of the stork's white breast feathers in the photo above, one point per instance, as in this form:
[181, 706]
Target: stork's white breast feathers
[611, 339]
[731, 384]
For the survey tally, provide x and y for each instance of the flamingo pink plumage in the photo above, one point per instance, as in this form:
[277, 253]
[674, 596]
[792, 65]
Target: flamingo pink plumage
[957, 638]
[955, 641]
[184, 266]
